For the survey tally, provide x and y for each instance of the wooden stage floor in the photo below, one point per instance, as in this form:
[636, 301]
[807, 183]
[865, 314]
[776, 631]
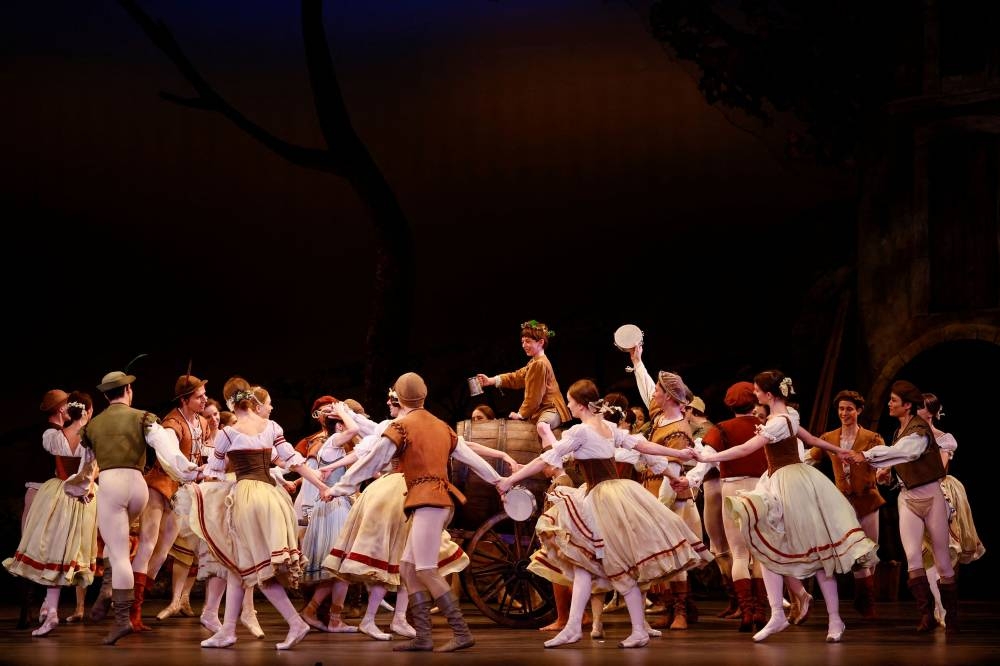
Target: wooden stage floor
[174, 642]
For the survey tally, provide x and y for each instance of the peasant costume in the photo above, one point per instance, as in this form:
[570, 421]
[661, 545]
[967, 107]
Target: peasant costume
[964, 545]
[796, 521]
[370, 544]
[325, 519]
[249, 524]
[58, 544]
[614, 528]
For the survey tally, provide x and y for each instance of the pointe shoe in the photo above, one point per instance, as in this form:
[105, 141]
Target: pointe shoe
[186, 609]
[835, 631]
[564, 637]
[172, 610]
[77, 616]
[402, 627]
[370, 629]
[773, 626]
[48, 624]
[341, 627]
[653, 633]
[597, 631]
[295, 634]
[248, 617]
[221, 639]
[211, 622]
[805, 605]
[313, 622]
[386, 606]
[635, 641]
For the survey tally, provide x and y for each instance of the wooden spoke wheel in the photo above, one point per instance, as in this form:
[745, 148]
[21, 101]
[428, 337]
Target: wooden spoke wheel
[497, 579]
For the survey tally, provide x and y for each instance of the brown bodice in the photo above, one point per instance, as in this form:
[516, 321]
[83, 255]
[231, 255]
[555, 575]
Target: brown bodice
[595, 470]
[252, 464]
[781, 453]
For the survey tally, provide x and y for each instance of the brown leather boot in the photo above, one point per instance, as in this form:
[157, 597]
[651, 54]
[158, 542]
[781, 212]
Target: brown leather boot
[453, 612]
[920, 588]
[745, 597]
[420, 619]
[761, 606]
[121, 606]
[666, 598]
[864, 597]
[679, 589]
[949, 599]
[141, 581]
[731, 611]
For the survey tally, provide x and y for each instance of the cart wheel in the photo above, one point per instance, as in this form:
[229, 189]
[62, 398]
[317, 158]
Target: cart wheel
[497, 579]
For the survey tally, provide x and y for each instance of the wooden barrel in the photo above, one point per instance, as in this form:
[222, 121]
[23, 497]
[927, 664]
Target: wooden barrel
[520, 441]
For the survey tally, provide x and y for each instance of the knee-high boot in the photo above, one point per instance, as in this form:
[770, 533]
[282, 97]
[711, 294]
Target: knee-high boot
[420, 620]
[949, 599]
[921, 591]
[864, 597]
[665, 597]
[733, 610]
[745, 597]
[761, 605]
[121, 606]
[679, 588]
[141, 581]
[462, 638]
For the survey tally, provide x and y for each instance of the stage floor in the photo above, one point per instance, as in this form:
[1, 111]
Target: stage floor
[712, 641]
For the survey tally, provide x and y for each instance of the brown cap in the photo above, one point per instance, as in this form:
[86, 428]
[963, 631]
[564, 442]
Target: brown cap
[53, 399]
[322, 401]
[740, 396]
[697, 404]
[411, 390]
[186, 385]
[355, 406]
[674, 386]
[113, 380]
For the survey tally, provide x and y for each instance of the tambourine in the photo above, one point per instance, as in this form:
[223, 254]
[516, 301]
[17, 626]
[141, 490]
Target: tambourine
[628, 337]
[519, 503]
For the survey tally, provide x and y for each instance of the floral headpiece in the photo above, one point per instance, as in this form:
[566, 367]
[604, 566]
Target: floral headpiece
[393, 396]
[785, 386]
[239, 397]
[78, 405]
[538, 328]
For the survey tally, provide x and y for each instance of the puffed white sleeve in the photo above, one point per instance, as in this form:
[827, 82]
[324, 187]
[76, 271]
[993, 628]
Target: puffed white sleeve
[365, 466]
[906, 449]
[79, 484]
[54, 441]
[168, 453]
[696, 475]
[566, 445]
[476, 463]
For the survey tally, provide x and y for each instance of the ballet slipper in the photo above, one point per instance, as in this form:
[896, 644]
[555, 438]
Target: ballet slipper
[653, 633]
[313, 621]
[173, 610]
[555, 626]
[775, 625]
[835, 631]
[597, 631]
[635, 640]
[221, 639]
[372, 630]
[211, 622]
[48, 624]
[805, 605]
[341, 627]
[77, 616]
[295, 634]
[564, 637]
[402, 627]
[248, 616]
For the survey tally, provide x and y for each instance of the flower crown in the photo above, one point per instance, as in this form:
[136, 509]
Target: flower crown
[538, 327]
[78, 405]
[238, 397]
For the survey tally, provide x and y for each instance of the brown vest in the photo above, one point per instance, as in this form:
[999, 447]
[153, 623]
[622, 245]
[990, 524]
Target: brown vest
[424, 444]
[156, 478]
[928, 467]
[858, 485]
[675, 435]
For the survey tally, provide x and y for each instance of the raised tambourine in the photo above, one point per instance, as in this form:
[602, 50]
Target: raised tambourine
[627, 337]
[519, 503]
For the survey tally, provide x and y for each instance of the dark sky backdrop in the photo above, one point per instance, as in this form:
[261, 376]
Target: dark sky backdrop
[553, 160]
